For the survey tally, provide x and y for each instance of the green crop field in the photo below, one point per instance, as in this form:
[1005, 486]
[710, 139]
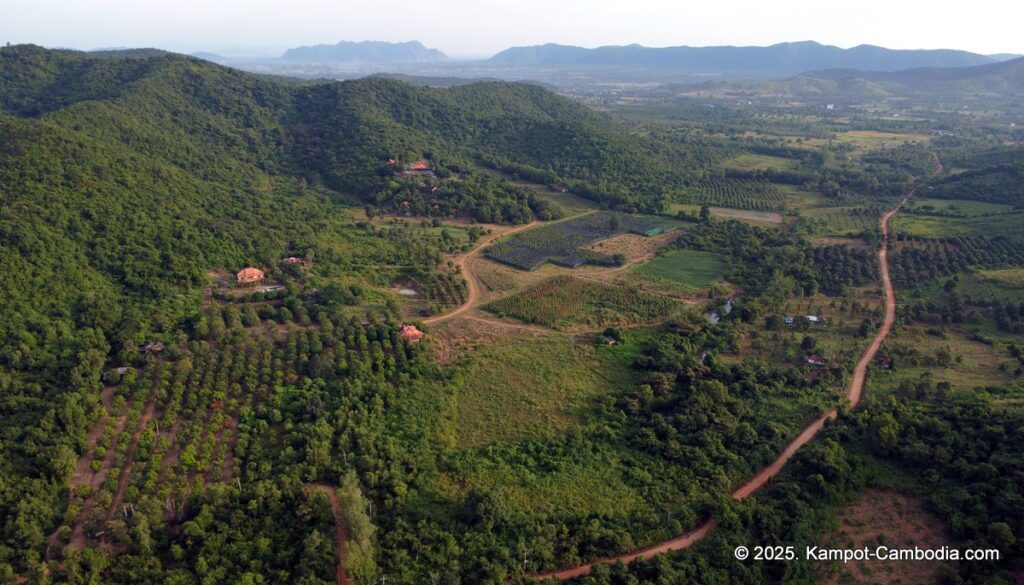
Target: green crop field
[692, 267]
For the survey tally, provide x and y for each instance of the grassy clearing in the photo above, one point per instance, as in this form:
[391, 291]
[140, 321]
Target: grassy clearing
[692, 267]
[1007, 277]
[569, 203]
[965, 207]
[530, 387]
[582, 485]
[866, 140]
[797, 198]
[575, 490]
[1004, 284]
[565, 302]
[973, 363]
[757, 162]
[836, 340]
[855, 243]
[843, 221]
[941, 227]
[759, 218]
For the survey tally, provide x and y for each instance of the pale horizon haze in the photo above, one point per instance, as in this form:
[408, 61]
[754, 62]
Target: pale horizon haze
[467, 29]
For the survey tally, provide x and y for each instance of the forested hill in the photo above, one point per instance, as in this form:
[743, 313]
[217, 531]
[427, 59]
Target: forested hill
[341, 131]
[126, 176]
[130, 177]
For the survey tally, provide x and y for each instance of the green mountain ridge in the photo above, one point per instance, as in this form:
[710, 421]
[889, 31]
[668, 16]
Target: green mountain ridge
[125, 177]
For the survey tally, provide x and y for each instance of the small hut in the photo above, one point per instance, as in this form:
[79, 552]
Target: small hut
[250, 275]
[410, 334]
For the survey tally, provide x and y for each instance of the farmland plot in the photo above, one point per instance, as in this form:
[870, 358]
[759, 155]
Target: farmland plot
[736, 193]
[563, 243]
[566, 301]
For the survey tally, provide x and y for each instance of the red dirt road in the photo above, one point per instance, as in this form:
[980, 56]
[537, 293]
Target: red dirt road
[853, 394]
[472, 284]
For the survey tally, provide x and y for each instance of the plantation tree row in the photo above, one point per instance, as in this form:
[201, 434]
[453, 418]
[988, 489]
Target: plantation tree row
[914, 265]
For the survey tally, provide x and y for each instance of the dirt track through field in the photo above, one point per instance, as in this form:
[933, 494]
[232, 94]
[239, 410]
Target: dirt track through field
[340, 533]
[472, 282]
[853, 394]
[126, 471]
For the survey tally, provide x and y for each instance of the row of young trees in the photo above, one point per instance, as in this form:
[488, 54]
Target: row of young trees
[929, 259]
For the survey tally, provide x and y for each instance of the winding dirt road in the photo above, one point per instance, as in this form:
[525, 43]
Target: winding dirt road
[853, 394]
[472, 282]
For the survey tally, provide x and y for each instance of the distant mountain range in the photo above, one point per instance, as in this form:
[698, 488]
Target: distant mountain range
[1001, 82]
[365, 52]
[549, 63]
[783, 58]
[1006, 77]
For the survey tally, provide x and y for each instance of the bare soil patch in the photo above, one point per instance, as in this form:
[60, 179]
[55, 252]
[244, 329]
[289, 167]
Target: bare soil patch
[634, 247]
[898, 521]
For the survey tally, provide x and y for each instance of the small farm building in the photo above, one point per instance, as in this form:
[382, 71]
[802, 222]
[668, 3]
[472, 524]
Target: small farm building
[249, 275]
[410, 334]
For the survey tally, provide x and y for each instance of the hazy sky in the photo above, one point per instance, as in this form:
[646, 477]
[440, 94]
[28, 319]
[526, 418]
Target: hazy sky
[482, 27]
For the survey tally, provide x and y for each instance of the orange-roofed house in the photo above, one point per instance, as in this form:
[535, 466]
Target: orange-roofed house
[250, 275]
[419, 166]
[410, 334]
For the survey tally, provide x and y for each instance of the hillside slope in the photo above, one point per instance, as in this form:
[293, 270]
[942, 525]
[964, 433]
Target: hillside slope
[1003, 78]
[126, 176]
